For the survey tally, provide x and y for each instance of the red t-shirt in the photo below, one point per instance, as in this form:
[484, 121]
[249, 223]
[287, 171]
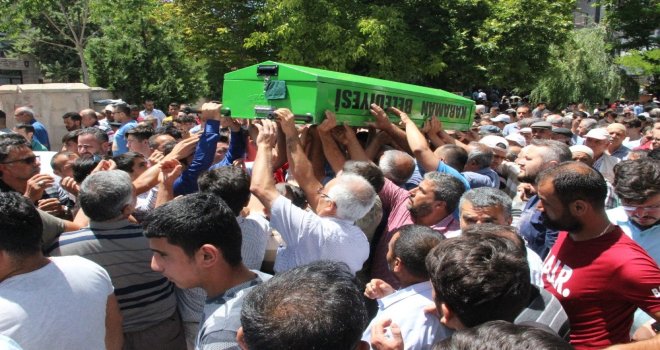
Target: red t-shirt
[600, 283]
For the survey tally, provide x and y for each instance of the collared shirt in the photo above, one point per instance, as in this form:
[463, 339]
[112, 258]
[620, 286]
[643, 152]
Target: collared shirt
[486, 177]
[310, 237]
[255, 230]
[406, 308]
[621, 152]
[157, 113]
[539, 238]
[605, 165]
[649, 238]
[222, 316]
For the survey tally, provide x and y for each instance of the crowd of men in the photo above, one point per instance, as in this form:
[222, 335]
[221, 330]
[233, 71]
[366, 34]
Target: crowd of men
[193, 230]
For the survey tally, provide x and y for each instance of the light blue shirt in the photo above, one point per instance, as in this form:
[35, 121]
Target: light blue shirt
[406, 308]
[648, 239]
[120, 137]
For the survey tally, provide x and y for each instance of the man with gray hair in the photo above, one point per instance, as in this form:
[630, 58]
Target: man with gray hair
[145, 297]
[397, 166]
[330, 233]
[26, 115]
[477, 169]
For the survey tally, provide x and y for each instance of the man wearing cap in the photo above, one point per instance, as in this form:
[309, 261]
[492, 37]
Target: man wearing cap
[542, 131]
[501, 121]
[598, 140]
[562, 135]
[616, 148]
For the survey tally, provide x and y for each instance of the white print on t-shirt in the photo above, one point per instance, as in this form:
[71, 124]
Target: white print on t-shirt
[656, 292]
[550, 268]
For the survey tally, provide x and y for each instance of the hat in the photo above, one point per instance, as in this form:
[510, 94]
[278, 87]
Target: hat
[583, 149]
[489, 129]
[526, 130]
[494, 141]
[109, 108]
[501, 118]
[599, 134]
[517, 138]
[542, 125]
[511, 110]
[115, 124]
[563, 131]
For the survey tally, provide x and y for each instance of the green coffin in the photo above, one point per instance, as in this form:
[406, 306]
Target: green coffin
[255, 91]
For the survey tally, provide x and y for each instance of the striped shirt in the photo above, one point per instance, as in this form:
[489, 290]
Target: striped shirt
[145, 297]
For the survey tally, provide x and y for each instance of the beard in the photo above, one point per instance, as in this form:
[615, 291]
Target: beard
[566, 222]
[527, 178]
[420, 210]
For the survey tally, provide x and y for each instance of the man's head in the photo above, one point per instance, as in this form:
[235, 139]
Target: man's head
[230, 183]
[348, 197]
[62, 163]
[148, 105]
[122, 113]
[107, 196]
[17, 161]
[25, 130]
[655, 138]
[407, 251]
[480, 157]
[586, 125]
[137, 139]
[173, 110]
[452, 155]
[397, 166]
[185, 122]
[637, 183]
[93, 141]
[540, 155]
[541, 130]
[20, 232]
[89, 118]
[583, 154]
[132, 162]
[497, 335]
[485, 205]
[316, 306]
[436, 197]
[478, 277]
[499, 145]
[523, 112]
[24, 115]
[598, 140]
[617, 135]
[108, 113]
[571, 194]
[192, 235]
[72, 121]
[368, 170]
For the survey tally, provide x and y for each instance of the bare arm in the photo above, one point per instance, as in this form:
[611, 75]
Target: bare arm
[263, 184]
[114, 335]
[418, 143]
[330, 149]
[169, 172]
[355, 150]
[383, 123]
[302, 168]
[649, 344]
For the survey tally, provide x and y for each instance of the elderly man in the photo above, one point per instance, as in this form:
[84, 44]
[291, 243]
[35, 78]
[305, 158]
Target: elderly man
[26, 115]
[617, 136]
[146, 298]
[328, 233]
[598, 140]
[541, 130]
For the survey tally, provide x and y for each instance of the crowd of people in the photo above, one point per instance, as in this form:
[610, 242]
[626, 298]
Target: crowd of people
[192, 230]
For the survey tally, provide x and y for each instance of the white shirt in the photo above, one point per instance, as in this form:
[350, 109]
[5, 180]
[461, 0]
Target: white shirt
[309, 238]
[256, 231]
[406, 308]
[157, 113]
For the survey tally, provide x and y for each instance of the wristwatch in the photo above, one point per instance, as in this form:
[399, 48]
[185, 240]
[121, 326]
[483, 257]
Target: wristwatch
[656, 327]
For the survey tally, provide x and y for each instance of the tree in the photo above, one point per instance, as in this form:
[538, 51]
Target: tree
[51, 30]
[583, 70]
[137, 60]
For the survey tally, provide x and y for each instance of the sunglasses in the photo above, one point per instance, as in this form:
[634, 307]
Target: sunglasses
[26, 160]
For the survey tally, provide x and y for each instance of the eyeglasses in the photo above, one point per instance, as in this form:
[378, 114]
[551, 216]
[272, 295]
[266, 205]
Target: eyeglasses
[26, 160]
[632, 208]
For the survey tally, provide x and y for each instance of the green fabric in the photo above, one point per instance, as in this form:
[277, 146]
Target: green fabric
[37, 146]
[276, 90]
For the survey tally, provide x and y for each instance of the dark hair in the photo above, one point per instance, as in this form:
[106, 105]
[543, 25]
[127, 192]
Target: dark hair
[3, 115]
[497, 335]
[454, 156]
[141, 132]
[635, 181]
[72, 136]
[292, 192]
[53, 160]
[368, 170]
[315, 306]
[230, 183]
[508, 232]
[480, 278]
[21, 229]
[125, 161]
[75, 116]
[98, 134]
[186, 118]
[123, 108]
[83, 166]
[446, 188]
[576, 181]
[195, 220]
[413, 245]
[25, 126]
[169, 130]
[174, 104]
[654, 154]
[10, 142]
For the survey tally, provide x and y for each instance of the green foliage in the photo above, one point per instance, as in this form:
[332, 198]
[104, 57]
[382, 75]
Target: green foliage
[634, 21]
[583, 69]
[641, 62]
[135, 59]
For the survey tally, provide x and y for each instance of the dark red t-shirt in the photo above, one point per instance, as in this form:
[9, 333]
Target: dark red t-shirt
[600, 283]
